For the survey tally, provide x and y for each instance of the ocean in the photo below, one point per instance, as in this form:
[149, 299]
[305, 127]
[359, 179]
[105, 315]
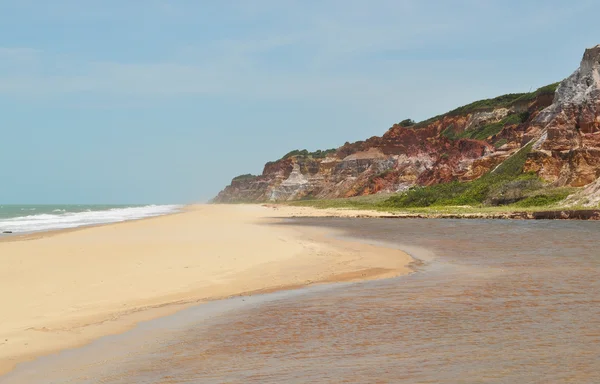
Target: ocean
[33, 218]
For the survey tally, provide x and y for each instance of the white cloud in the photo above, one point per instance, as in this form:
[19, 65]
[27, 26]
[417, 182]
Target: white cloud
[333, 51]
[325, 44]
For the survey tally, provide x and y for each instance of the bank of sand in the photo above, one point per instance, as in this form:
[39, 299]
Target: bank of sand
[63, 289]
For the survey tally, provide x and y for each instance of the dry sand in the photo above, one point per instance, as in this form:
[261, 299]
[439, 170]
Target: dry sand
[63, 289]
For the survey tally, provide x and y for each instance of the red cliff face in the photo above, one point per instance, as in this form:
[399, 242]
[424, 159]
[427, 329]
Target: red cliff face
[461, 145]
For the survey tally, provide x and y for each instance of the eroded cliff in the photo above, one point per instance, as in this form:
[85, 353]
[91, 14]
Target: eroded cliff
[562, 120]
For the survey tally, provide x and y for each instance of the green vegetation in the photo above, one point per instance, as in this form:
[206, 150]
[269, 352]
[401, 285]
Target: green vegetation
[487, 130]
[516, 118]
[244, 177]
[500, 143]
[506, 185]
[407, 123]
[378, 203]
[476, 192]
[373, 202]
[449, 133]
[545, 90]
[318, 154]
[504, 101]
[545, 198]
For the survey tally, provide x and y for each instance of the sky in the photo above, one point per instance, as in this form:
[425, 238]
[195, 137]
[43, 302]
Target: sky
[158, 101]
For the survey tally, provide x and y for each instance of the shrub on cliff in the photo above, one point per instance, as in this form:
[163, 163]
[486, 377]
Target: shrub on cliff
[407, 123]
[487, 130]
[504, 101]
[545, 90]
[246, 176]
[504, 185]
[318, 154]
[544, 198]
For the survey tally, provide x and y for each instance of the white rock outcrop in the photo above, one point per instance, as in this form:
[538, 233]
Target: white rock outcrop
[581, 89]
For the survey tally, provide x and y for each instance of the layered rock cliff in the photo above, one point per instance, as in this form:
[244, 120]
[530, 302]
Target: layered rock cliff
[569, 149]
[563, 120]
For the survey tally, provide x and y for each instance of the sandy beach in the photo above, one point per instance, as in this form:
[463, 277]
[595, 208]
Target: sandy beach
[66, 288]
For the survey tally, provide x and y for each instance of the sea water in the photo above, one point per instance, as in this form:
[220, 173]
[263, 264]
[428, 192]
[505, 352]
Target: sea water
[33, 218]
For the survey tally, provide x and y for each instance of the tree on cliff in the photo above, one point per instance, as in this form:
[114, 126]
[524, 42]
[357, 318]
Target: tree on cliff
[407, 123]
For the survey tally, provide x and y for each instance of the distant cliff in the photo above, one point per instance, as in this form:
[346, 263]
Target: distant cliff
[561, 121]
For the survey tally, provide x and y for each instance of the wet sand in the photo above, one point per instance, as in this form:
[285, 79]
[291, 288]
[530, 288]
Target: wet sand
[67, 288]
[493, 302]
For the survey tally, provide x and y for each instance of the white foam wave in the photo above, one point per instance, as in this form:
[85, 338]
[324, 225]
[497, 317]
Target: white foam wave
[61, 220]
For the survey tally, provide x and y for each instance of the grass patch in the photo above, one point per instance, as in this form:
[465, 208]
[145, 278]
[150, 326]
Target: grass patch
[407, 123]
[487, 130]
[504, 101]
[506, 184]
[246, 176]
[545, 90]
[318, 154]
[373, 202]
[377, 203]
[487, 104]
[545, 198]
[500, 143]
[449, 133]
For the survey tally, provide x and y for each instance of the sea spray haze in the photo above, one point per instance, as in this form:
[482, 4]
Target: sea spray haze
[33, 218]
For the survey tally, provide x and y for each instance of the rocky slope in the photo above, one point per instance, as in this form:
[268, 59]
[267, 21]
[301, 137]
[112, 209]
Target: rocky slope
[569, 149]
[563, 121]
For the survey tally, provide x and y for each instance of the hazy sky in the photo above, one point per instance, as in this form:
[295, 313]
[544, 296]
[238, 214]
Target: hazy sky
[142, 101]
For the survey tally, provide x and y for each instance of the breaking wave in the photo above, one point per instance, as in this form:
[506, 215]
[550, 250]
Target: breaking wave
[60, 219]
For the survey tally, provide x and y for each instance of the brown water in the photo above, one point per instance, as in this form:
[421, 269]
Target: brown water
[494, 302]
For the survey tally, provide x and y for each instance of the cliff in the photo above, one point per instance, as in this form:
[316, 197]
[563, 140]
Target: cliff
[562, 122]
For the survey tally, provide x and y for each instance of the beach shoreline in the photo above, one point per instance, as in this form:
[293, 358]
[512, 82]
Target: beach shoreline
[79, 284]
[34, 235]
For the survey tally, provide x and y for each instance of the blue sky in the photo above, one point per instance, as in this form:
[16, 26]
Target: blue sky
[157, 101]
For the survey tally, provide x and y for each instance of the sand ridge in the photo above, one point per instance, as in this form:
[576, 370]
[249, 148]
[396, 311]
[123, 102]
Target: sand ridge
[66, 288]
